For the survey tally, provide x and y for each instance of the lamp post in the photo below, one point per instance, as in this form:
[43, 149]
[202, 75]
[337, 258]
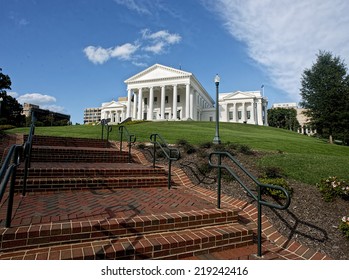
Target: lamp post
[216, 139]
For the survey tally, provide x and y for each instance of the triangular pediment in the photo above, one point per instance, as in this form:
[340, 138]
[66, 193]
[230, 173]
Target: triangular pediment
[112, 104]
[158, 72]
[240, 95]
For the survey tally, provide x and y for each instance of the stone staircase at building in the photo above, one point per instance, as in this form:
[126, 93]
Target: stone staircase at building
[62, 166]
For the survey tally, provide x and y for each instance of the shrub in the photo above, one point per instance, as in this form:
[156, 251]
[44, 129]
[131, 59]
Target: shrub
[181, 142]
[273, 172]
[141, 146]
[246, 150]
[344, 226]
[6, 126]
[206, 145]
[276, 182]
[332, 188]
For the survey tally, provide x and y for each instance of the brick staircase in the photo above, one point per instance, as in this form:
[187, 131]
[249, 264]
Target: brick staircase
[111, 209]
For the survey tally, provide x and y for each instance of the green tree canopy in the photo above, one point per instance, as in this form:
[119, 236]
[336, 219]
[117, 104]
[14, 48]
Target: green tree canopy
[325, 93]
[283, 118]
[10, 109]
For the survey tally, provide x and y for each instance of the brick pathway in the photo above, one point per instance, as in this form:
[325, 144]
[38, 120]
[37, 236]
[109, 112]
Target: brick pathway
[102, 204]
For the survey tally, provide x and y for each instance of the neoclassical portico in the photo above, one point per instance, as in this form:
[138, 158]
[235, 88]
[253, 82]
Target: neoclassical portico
[165, 93]
[243, 107]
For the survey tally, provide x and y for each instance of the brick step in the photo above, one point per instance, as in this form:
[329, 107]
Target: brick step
[58, 170]
[40, 140]
[77, 154]
[36, 236]
[165, 245]
[75, 183]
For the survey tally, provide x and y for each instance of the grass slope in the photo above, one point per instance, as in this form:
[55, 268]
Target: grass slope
[303, 158]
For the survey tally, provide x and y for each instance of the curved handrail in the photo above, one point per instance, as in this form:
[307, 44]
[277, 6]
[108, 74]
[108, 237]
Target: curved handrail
[263, 202]
[131, 139]
[9, 170]
[260, 188]
[172, 154]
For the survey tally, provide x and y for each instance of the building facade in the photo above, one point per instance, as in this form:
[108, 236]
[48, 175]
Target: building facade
[92, 115]
[164, 93]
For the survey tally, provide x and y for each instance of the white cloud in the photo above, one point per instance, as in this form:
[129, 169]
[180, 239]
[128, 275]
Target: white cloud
[12, 94]
[140, 6]
[124, 52]
[36, 98]
[97, 55]
[284, 36]
[159, 41]
[44, 101]
[155, 43]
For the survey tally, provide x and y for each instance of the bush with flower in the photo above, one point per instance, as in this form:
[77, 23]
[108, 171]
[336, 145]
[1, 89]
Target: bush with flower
[333, 187]
[344, 226]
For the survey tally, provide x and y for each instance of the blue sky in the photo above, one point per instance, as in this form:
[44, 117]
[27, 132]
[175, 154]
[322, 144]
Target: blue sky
[68, 55]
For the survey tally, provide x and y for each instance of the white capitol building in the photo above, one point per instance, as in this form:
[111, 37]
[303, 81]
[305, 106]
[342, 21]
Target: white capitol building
[164, 93]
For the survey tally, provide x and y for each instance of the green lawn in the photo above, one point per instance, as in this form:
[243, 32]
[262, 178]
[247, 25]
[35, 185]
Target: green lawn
[304, 158]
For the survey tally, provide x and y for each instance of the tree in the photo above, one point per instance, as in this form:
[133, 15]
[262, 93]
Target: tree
[325, 93]
[10, 110]
[283, 118]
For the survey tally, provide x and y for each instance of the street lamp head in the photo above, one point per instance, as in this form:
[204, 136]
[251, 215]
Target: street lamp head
[217, 79]
[1, 99]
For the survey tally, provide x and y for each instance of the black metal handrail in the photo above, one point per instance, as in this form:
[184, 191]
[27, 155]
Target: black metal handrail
[131, 139]
[105, 123]
[171, 154]
[27, 151]
[9, 171]
[260, 188]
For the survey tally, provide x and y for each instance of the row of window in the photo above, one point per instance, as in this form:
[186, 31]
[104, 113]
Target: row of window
[231, 115]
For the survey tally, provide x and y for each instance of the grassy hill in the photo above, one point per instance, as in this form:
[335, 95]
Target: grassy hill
[303, 158]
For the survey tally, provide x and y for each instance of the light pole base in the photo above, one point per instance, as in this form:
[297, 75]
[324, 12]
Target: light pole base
[216, 140]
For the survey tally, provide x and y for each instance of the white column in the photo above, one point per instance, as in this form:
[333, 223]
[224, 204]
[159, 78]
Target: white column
[117, 117]
[235, 117]
[259, 112]
[266, 113]
[187, 100]
[151, 103]
[162, 108]
[140, 101]
[243, 111]
[128, 113]
[174, 105]
[191, 108]
[253, 116]
[134, 113]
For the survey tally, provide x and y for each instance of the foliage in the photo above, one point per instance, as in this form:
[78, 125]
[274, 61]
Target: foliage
[187, 147]
[332, 187]
[285, 118]
[10, 110]
[276, 182]
[344, 226]
[325, 93]
[6, 126]
[273, 172]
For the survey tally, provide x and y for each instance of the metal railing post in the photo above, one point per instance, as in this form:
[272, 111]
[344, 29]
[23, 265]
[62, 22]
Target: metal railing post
[219, 181]
[259, 222]
[121, 130]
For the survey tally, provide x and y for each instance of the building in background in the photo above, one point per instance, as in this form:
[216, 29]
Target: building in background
[164, 93]
[44, 116]
[92, 115]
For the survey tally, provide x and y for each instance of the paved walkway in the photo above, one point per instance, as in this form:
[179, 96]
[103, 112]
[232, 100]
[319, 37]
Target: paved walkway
[127, 203]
